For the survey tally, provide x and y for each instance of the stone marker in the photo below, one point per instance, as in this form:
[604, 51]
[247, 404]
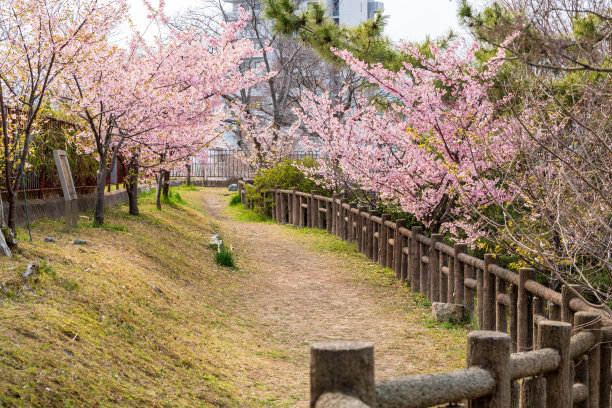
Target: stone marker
[49, 239]
[443, 312]
[30, 272]
[79, 241]
[216, 242]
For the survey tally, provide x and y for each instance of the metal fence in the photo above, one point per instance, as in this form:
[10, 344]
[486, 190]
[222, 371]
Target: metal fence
[226, 164]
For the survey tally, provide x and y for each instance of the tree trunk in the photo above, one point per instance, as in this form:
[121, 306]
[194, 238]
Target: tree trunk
[131, 185]
[101, 183]
[166, 174]
[189, 174]
[160, 179]
[12, 209]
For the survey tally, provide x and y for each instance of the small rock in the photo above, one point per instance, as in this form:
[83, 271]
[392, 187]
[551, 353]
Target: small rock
[79, 241]
[155, 288]
[49, 239]
[443, 312]
[233, 187]
[31, 271]
[84, 217]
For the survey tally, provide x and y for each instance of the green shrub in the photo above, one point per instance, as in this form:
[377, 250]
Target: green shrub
[235, 200]
[173, 198]
[225, 257]
[286, 175]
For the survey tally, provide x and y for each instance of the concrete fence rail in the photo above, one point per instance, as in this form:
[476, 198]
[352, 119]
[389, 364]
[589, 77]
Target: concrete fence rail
[534, 321]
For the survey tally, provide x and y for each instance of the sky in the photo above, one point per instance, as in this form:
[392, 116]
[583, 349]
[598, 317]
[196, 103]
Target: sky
[410, 20]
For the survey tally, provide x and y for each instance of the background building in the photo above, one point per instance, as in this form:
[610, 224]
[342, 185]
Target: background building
[353, 12]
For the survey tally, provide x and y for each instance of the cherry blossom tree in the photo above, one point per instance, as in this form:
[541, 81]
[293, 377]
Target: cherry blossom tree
[438, 147]
[156, 94]
[39, 41]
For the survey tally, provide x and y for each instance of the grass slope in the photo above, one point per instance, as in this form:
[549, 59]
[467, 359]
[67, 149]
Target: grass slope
[140, 316]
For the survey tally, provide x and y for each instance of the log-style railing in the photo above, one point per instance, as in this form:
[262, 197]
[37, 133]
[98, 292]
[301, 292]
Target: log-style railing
[533, 318]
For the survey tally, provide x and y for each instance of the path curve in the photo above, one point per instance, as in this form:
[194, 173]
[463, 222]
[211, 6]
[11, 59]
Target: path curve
[302, 295]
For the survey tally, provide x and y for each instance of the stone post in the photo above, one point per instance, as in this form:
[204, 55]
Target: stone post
[488, 317]
[344, 367]
[397, 249]
[415, 259]
[459, 286]
[434, 268]
[524, 311]
[383, 240]
[591, 322]
[558, 383]
[491, 350]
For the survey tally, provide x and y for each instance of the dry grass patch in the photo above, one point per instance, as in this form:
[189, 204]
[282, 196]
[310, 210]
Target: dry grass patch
[140, 316]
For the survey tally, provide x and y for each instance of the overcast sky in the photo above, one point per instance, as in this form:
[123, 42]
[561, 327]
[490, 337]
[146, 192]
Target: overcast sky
[411, 20]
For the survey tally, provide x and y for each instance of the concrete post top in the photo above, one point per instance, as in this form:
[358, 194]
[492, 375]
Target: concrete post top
[554, 323]
[342, 346]
[488, 334]
[588, 314]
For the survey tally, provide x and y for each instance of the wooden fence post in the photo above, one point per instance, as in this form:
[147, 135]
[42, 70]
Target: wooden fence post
[315, 209]
[375, 238]
[450, 279]
[605, 357]
[344, 367]
[334, 219]
[591, 322]
[459, 285]
[277, 204]
[468, 293]
[383, 240]
[363, 236]
[405, 261]
[488, 316]
[501, 312]
[329, 217]
[559, 382]
[491, 350]
[343, 223]
[514, 316]
[351, 219]
[434, 268]
[290, 207]
[538, 309]
[397, 249]
[296, 207]
[370, 236]
[302, 211]
[415, 259]
[524, 311]
[319, 214]
[567, 314]
[533, 393]
[389, 260]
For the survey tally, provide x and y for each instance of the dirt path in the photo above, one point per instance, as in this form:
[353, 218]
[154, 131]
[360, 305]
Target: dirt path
[301, 294]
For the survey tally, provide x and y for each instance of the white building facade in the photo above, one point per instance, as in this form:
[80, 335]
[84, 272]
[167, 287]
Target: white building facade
[353, 12]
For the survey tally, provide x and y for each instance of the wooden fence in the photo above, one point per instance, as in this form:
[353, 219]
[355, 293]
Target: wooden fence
[517, 314]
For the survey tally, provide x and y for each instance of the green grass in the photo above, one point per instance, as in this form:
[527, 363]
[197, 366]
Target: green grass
[174, 198]
[235, 200]
[242, 214]
[225, 257]
[110, 227]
